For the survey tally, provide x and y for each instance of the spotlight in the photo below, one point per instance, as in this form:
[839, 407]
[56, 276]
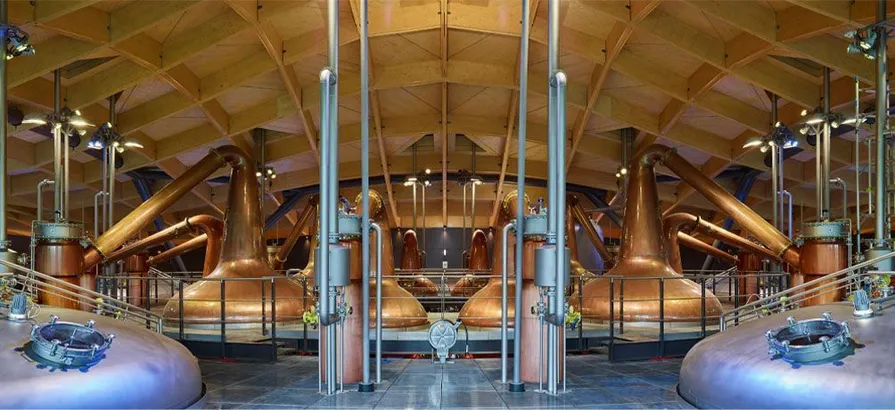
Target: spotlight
[17, 43]
[804, 112]
[35, 119]
[623, 171]
[428, 171]
[763, 149]
[618, 175]
[428, 183]
[753, 142]
[258, 174]
[834, 124]
[804, 130]
[411, 179]
[408, 183]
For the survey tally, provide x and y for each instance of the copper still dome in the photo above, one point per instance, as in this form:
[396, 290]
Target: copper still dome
[399, 307]
[643, 254]
[468, 285]
[411, 260]
[484, 308]
[243, 256]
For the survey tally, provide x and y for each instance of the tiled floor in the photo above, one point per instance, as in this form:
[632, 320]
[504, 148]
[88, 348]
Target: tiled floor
[593, 382]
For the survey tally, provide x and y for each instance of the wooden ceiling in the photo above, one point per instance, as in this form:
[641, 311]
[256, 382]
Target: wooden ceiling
[197, 74]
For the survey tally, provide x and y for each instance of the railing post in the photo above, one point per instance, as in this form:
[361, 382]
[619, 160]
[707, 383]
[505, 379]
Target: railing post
[273, 315]
[223, 318]
[661, 317]
[621, 307]
[702, 307]
[180, 310]
[611, 315]
[581, 324]
[263, 311]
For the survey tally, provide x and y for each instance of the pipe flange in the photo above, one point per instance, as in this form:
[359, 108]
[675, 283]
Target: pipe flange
[58, 231]
[825, 230]
[812, 341]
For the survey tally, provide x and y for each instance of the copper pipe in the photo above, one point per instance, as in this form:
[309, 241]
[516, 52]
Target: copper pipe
[744, 216]
[243, 256]
[695, 244]
[147, 211]
[587, 225]
[208, 224]
[308, 214]
[642, 264]
[192, 244]
[682, 221]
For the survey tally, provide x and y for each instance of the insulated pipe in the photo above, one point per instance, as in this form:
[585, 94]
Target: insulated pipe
[41, 185]
[588, 227]
[57, 148]
[882, 93]
[329, 184]
[825, 175]
[696, 244]
[747, 218]
[365, 385]
[303, 219]
[776, 160]
[841, 182]
[505, 234]
[212, 227]
[4, 188]
[378, 230]
[517, 385]
[555, 183]
[788, 195]
[135, 221]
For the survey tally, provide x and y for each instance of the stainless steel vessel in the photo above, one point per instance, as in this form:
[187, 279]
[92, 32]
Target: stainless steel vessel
[141, 369]
[733, 369]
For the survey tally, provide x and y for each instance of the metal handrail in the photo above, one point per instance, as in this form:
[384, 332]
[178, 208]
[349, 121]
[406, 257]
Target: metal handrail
[82, 294]
[799, 291]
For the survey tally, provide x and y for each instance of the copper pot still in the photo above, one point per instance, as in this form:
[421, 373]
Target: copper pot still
[469, 284]
[411, 260]
[58, 253]
[824, 251]
[243, 256]
[747, 289]
[136, 268]
[483, 308]
[399, 308]
[643, 254]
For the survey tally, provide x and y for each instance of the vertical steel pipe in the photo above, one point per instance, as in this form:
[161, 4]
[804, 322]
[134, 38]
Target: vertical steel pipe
[517, 385]
[4, 188]
[40, 187]
[776, 154]
[880, 235]
[325, 209]
[57, 148]
[505, 233]
[378, 230]
[827, 130]
[365, 190]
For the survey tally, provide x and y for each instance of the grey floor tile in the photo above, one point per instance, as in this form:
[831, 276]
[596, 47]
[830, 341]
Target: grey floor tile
[533, 400]
[288, 397]
[474, 399]
[592, 398]
[216, 405]
[410, 400]
[349, 400]
[236, 394]
[651, 394]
